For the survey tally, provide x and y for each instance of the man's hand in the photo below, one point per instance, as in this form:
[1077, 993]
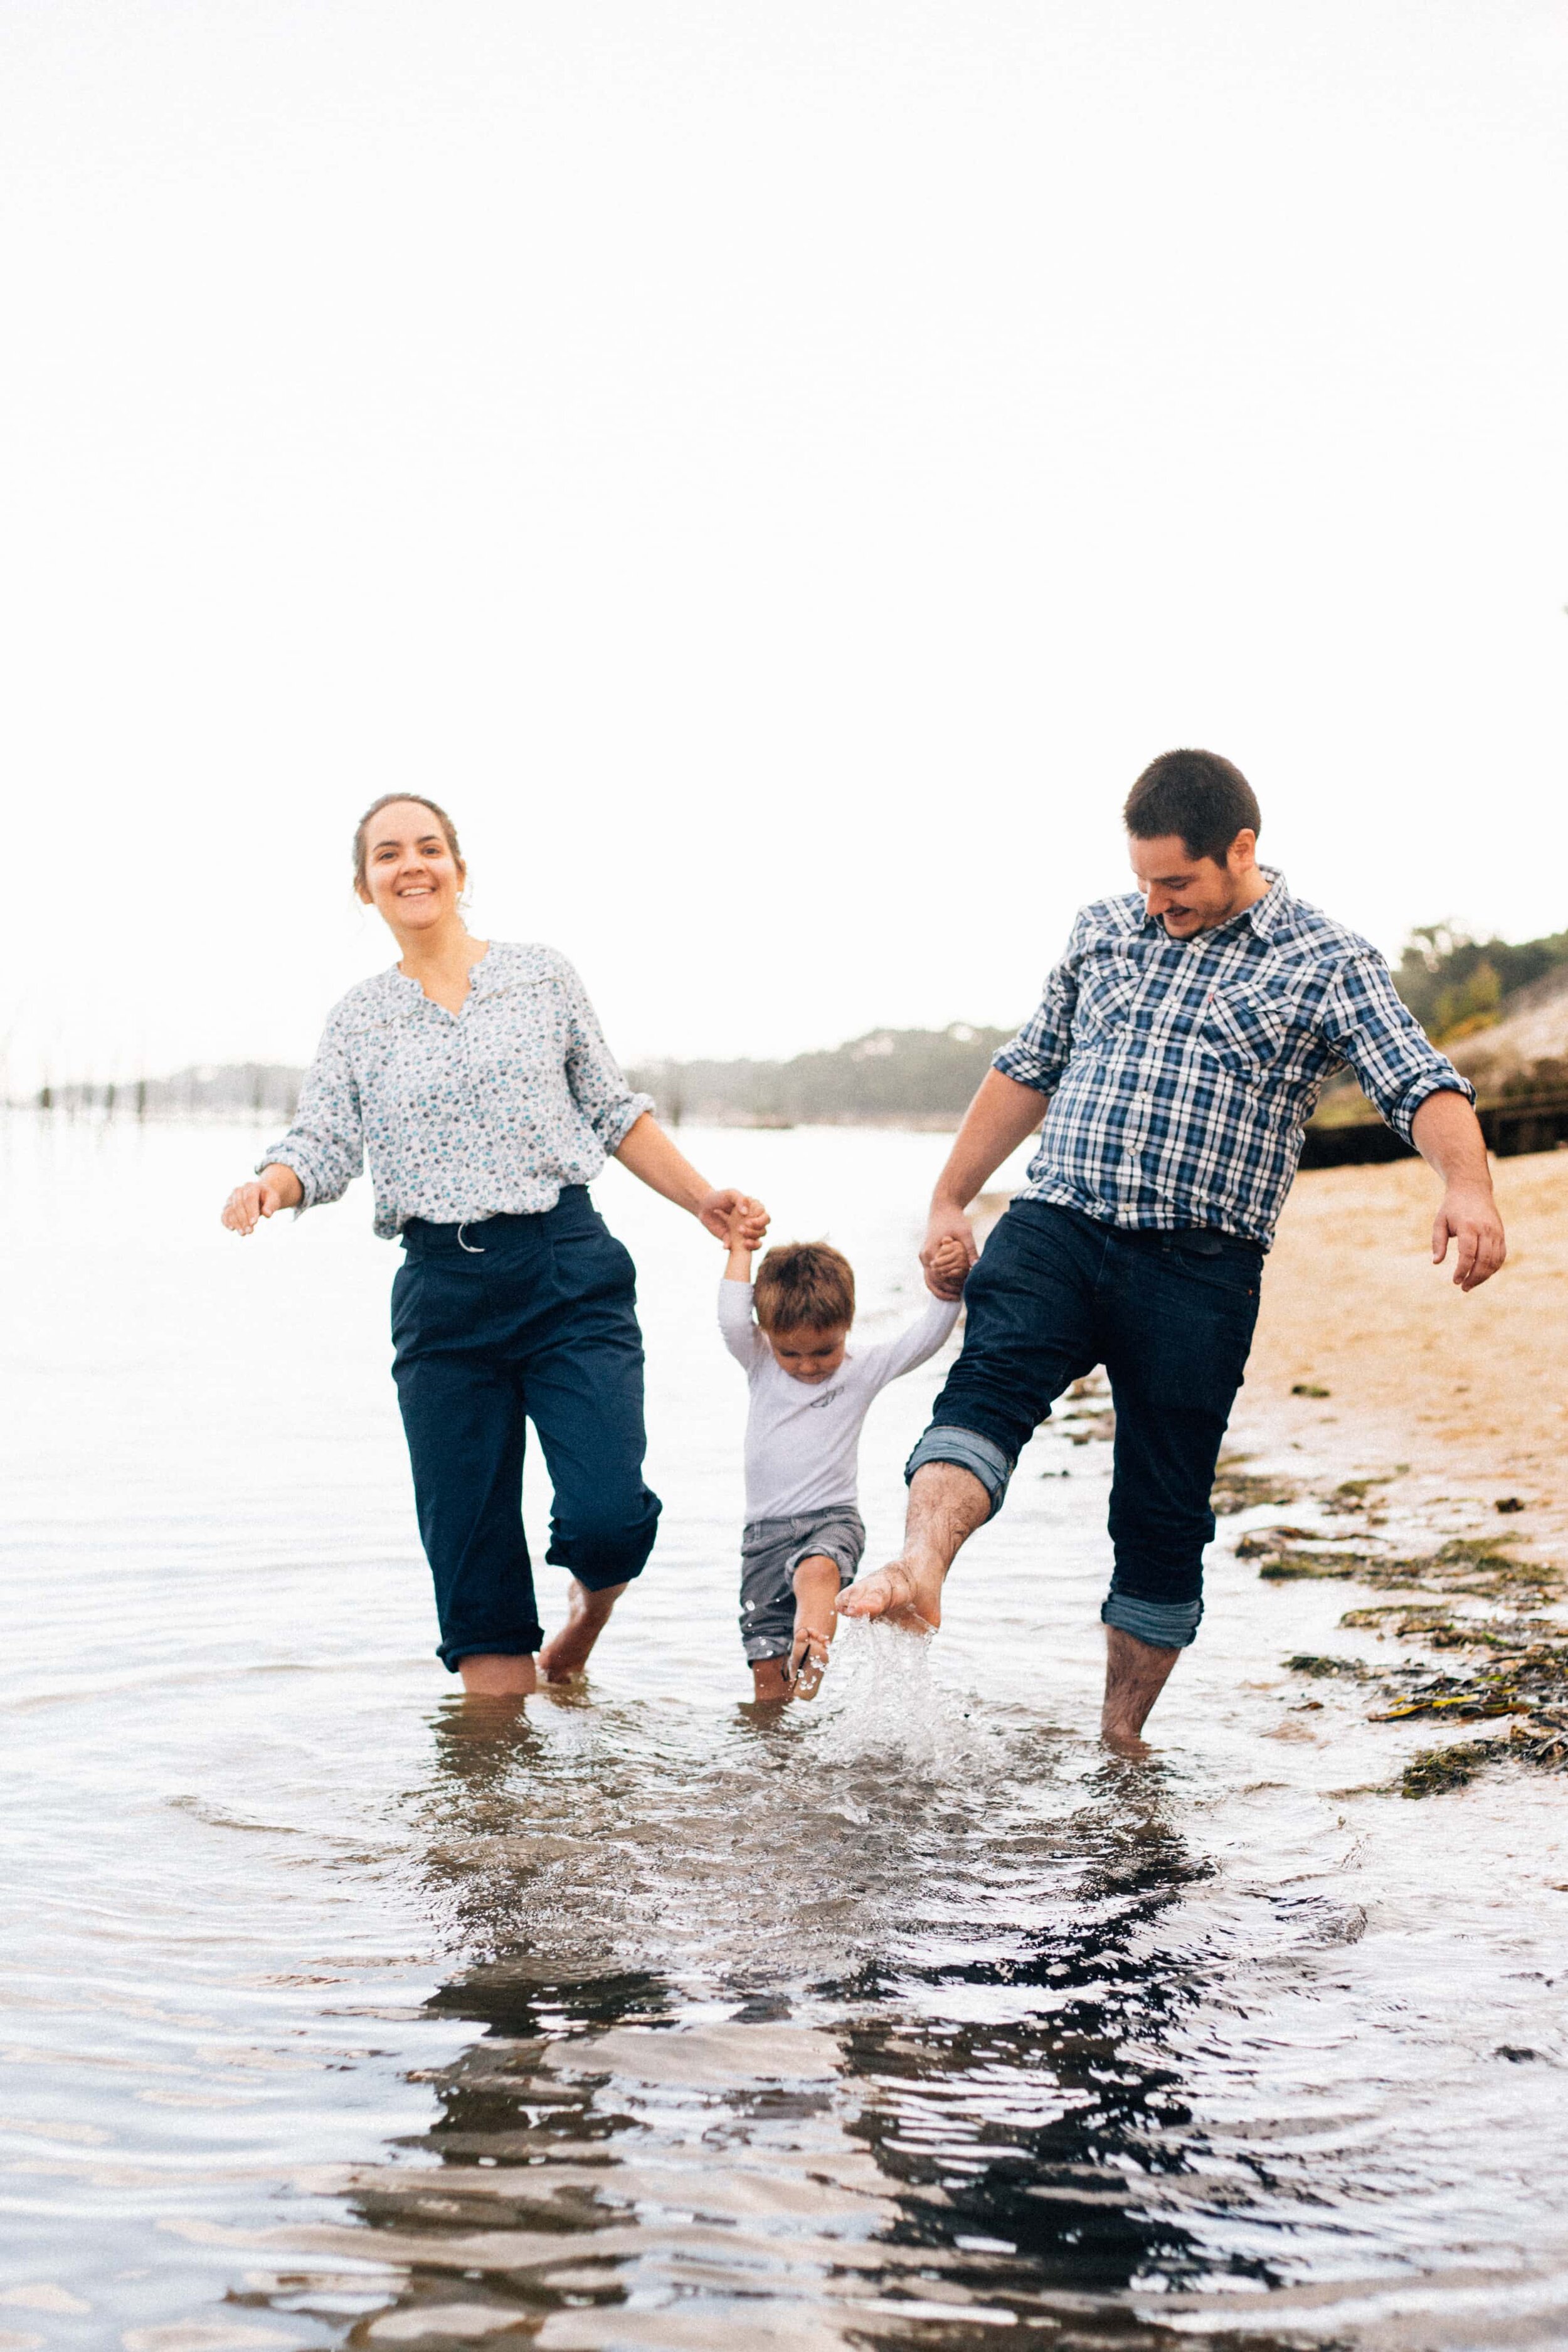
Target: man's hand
[1447, 1135]
[1468, 1217]
[948, 1251]
[733, 1217]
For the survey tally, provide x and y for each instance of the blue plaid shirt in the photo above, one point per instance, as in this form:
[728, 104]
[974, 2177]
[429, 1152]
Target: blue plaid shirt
[1182, 1072]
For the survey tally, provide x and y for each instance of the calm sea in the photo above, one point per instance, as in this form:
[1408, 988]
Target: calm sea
[335, 2012]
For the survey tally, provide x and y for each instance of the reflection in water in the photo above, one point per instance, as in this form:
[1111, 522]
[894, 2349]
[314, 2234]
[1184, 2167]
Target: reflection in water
[335, 2015]
[930, 2119]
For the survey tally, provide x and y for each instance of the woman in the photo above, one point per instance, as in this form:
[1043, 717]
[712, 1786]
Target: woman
[475, 1075]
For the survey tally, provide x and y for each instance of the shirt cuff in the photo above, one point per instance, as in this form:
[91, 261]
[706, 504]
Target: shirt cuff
[1023, 1067]
[1400, 1116]
[288, 1156]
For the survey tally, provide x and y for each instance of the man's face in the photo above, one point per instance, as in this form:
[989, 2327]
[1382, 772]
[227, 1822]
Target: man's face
[1191, 894]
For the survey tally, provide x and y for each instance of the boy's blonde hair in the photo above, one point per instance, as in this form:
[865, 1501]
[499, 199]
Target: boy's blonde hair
[804, 1286]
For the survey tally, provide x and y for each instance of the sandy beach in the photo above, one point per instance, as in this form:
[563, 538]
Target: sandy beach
[1470, 1394]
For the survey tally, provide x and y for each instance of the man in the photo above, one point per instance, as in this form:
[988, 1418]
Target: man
[1183, 1044]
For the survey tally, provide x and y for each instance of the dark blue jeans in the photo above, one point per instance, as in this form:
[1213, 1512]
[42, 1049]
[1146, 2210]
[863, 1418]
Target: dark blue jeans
[535, 1319]
[1169, 1315]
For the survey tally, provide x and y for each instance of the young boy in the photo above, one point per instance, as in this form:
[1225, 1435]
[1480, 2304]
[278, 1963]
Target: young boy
[803, 1535]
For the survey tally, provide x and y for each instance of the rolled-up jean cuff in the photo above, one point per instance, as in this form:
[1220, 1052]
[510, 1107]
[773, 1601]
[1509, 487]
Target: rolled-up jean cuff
[1164, 1624]
[981, 1457]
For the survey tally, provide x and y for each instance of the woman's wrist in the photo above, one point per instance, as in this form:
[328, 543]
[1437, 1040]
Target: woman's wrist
[285, 1181]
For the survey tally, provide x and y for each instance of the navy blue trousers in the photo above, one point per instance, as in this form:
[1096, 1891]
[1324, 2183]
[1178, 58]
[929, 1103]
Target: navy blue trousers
[1169, 1315]
[535, 1319]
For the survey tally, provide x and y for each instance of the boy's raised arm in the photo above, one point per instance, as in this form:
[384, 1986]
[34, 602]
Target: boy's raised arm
[739, 1332]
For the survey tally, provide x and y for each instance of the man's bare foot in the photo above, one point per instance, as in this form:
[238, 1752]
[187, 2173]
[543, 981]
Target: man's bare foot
[494, 1675]
[1135, 1675]
[907, 1592]
[587, 1614]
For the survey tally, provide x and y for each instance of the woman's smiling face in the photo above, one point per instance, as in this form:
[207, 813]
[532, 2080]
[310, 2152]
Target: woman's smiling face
[411, 876]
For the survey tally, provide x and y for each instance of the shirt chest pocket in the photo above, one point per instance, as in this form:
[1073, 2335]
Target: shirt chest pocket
[1245, 1028]
[1105, 995]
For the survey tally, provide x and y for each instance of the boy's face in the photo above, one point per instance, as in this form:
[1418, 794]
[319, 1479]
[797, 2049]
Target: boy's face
[808, 1354]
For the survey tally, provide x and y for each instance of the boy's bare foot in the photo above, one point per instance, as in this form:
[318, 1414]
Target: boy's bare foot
[807, 1660]
[771, 1685]
[816, 1590]
[907, 1592]
[587, 1614]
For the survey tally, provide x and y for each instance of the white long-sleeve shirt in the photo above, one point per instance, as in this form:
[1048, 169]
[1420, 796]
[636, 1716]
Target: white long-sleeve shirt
[803, 1437]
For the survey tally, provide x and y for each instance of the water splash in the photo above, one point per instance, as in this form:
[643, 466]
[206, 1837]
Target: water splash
[883, 1699]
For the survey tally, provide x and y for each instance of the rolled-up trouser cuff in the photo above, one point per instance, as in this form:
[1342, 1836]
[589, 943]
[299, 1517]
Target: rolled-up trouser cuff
[1164, 1624]
[981, 1457]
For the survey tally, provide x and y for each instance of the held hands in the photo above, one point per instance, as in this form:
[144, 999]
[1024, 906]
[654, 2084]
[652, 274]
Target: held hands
[277, 1188]
[1468, 1217]
[733, 1217]
[948, 1252]
[950, 1264]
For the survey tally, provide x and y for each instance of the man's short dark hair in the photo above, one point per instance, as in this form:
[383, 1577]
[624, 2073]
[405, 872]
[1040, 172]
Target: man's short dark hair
[1197, 794]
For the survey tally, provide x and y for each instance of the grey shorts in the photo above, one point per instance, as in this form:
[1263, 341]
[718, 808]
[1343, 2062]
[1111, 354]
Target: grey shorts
[771, 1551]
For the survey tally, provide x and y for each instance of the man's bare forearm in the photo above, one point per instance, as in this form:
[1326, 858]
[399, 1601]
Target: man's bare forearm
[1001, 1115]
[1449, 1137]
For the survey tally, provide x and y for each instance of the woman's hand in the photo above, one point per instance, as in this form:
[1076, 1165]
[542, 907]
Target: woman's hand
[276, 1187]
[733, 1217]
[650, 1155]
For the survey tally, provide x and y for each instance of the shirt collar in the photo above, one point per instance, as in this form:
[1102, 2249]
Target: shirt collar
[483, 976]
[1271, 913]
[1268, 915]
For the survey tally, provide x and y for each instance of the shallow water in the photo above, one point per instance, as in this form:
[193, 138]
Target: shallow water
[337, 2011]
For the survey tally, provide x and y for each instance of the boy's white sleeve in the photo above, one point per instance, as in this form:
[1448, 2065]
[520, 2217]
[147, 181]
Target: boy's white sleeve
[912, 1347]
[736, 1328]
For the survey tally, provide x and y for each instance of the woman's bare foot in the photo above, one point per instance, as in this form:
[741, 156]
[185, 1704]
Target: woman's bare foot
[587, 1614]
[907, 1592]
[494, 1675]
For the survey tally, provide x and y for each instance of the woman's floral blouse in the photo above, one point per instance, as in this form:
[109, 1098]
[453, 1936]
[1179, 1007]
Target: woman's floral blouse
[463, 1115]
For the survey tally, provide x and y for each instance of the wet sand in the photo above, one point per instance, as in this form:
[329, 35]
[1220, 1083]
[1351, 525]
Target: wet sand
[1470, 1394]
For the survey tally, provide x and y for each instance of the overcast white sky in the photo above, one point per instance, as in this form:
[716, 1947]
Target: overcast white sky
[775, 471]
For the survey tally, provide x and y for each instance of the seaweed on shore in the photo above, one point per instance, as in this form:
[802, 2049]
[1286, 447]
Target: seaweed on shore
[1236, 1489]
[1542, 1741]
[1522, 1670]
[1478, 1567]
[1431, 1770]
[1355, 1494]
[1285, 1567]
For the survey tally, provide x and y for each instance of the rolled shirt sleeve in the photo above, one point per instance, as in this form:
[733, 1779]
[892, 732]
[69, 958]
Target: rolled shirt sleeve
[1368, 1026]
[1039, 1052]
[325, 1145]
[593, 1073]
